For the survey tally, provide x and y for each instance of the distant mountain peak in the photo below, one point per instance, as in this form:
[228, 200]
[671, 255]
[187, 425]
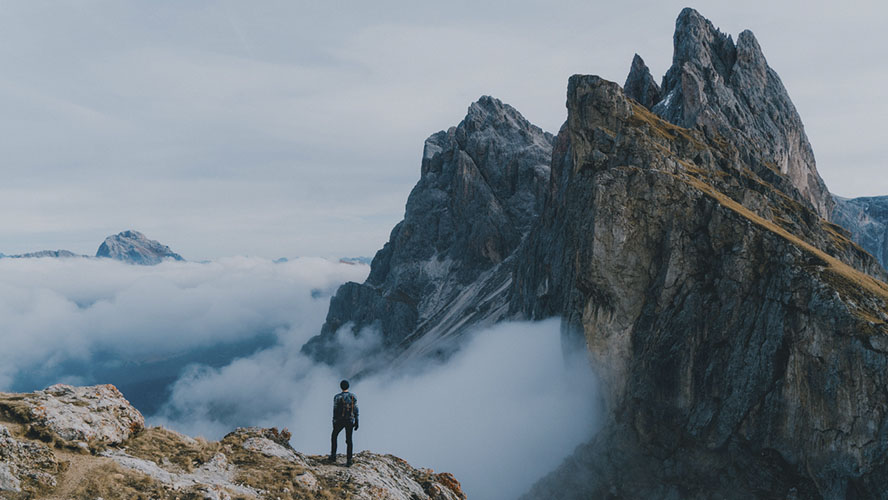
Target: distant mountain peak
[135, 248]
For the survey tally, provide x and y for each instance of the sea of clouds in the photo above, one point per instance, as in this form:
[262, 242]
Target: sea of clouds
[204, 347]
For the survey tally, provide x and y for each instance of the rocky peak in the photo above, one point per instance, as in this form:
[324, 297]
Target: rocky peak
[134, 247]
[640, 85]
[89, 442]
[698, 42]
[731, 93]
[482, 185]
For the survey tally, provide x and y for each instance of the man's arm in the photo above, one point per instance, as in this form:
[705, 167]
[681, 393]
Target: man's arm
[356, 413]
[336, 403]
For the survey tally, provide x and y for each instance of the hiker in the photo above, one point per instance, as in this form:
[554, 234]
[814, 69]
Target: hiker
[345, 416]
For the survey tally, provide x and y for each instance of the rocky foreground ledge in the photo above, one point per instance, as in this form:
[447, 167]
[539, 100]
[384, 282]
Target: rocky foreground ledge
[89, 442]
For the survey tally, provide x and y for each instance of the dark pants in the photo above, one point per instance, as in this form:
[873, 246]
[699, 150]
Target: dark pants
[338, 426]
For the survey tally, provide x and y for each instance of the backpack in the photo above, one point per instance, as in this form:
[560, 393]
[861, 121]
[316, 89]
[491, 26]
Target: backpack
[346, 408]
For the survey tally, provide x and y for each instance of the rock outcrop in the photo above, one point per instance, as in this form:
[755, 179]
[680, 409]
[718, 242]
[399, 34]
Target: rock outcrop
[730, 92]
[88, 442]
[134, 248]
[448, 264]
[640, 85]
[867, 220]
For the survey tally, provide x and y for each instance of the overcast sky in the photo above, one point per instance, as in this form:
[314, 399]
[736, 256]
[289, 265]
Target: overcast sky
[296, 128]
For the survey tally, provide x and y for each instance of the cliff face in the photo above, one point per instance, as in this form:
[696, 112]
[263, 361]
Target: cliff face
[89, 442]
[867, 221]
[448, 264]
[741, 344]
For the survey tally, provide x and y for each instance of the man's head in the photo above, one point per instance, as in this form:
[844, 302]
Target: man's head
[344, 385]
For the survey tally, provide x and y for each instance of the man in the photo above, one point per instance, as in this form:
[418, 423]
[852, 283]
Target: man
[345, 416]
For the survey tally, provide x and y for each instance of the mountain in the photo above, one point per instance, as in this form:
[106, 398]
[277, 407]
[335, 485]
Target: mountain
[740, 344]
[447, 266]
[56, 254]
[867, 220]
[89, 442]
[681, 232]
[740, 337]
[134, 248]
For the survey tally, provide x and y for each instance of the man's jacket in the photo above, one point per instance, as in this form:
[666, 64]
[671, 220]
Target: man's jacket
[345, 408]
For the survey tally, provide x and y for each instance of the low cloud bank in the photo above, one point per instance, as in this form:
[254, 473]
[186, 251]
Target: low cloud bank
[205, 347]
[502, 412]
[97, 320]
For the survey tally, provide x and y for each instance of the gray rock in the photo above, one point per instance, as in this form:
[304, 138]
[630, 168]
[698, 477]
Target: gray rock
[732, 94]
[93, 416]
[640, 85]
[134, 248]
[867, 220]
[25, 466]
[447, 265]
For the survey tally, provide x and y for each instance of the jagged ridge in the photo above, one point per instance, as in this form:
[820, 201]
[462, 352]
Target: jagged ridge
[731, 93]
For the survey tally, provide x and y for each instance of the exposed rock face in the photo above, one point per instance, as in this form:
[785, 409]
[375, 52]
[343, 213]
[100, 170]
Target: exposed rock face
[867, 220]
[137, 462]
[730, 91]
[742, 349]
[640, 85]
[25, 464]
[448, 264]
[134, 248]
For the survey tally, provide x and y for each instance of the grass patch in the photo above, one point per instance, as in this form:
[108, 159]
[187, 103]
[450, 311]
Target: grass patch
[162, 445]
[849, 282]
[660, 127]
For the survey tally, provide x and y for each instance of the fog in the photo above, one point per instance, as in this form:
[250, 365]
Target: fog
[88, 321]
[205, 347]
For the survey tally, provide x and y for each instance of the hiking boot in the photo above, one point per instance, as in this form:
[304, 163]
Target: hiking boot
[332, 459]
[348, 463]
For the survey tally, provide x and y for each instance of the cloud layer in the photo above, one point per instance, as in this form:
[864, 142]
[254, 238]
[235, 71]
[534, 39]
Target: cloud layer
[205, 347]
[85, 319]
[506, 409]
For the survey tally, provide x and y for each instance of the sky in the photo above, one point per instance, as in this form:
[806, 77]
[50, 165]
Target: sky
[285, 128]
